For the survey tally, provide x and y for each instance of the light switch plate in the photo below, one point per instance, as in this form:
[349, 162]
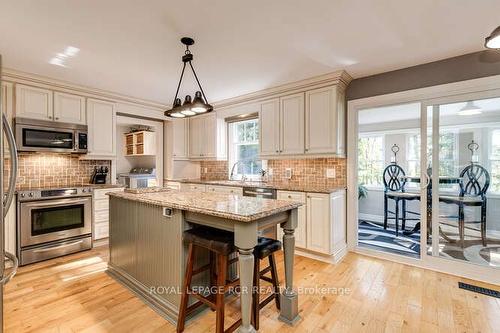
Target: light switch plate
[288, 173]
[330, 173]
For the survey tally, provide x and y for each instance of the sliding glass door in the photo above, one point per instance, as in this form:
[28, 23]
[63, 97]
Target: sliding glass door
[463, 165]
[389, 198]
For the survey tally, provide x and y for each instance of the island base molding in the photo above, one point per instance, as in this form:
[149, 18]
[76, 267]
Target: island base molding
[160, 306]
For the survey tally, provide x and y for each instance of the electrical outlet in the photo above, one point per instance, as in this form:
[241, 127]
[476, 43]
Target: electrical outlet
[205, 170]
[288, 173]
[330, 173]
[269, 172]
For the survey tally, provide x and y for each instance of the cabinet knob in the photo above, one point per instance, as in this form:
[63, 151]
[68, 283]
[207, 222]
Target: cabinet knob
[50, 117]
[289, 197]
[277, 151]
[307, 149]
[57, 118]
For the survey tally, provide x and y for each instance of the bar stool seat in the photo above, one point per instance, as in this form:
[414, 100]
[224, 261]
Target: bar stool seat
[219, 241]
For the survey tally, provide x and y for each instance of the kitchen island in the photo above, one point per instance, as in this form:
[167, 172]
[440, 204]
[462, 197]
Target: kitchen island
[148, 256]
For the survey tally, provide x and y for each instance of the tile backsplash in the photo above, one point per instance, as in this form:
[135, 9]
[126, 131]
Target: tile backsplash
[49, 169]
[310, 171]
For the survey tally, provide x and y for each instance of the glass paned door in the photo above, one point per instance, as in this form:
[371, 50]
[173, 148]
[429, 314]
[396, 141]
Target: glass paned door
[464, 168]
[389, 182]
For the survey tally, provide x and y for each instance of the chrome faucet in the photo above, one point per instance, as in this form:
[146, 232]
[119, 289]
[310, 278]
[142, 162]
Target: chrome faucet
[231, 176]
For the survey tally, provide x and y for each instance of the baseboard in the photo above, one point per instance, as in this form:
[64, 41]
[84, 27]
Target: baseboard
[335, 258]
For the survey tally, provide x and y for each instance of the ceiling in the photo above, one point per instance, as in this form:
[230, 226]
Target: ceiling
[132, 47]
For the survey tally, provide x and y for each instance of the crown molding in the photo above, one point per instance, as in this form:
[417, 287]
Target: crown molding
[16, 76]
[341, 78]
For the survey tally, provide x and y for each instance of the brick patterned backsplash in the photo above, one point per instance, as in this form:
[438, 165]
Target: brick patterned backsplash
[49, 169]
[304, 171]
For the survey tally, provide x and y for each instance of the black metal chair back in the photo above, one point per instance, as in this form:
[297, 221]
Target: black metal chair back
[475, 181]
[393, 178]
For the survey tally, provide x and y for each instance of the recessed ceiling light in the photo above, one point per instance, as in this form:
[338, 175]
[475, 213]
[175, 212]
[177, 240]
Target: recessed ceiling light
[470, 109]
[57, 61]
[71, 51]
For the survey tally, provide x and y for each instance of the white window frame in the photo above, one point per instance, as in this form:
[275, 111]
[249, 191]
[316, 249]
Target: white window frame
[232, 151]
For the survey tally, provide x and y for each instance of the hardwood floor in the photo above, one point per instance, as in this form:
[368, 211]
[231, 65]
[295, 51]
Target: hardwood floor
[74, 294]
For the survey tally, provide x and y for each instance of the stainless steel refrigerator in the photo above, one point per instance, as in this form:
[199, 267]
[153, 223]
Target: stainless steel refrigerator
[7, 190]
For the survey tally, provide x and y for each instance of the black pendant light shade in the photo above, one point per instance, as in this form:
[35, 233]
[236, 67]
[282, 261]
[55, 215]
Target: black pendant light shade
[190, 107]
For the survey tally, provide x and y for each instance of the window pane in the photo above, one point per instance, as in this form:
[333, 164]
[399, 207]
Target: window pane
[371, 160]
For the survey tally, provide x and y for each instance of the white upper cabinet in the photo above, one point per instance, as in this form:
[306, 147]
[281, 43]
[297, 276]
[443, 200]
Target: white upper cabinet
[324, 121]
[206, 137]
[101, 117]
[269, 122]
[292, 124]
[35, 103]
[180, 135]
[69, 108]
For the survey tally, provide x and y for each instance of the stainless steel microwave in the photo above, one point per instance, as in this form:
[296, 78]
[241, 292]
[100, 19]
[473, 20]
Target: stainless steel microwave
[43, 135]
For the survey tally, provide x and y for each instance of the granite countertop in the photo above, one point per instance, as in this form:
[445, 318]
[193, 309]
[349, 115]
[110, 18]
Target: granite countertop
[245, 209]
[285, 186]
[49, 187]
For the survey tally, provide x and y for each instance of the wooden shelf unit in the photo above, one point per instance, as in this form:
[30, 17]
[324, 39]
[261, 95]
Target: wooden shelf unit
[140, 143]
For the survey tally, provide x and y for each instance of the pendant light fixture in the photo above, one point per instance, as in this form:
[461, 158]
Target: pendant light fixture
[493, 40]
[190, 107]
[470, 109]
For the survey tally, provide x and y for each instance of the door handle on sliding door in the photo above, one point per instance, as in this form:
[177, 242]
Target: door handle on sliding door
[427, 180]
[15, 265]
[14, 162]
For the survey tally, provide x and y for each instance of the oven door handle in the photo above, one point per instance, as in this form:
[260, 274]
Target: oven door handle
[50, 248]
[57, 203]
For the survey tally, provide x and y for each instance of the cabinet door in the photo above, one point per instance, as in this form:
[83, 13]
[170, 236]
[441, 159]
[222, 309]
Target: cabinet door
[269, 123]
[292, 124]
[318, 222]
[69, 108]
[209, 138]
[33, 102]
[195, 128]
[321, 121]
[101, 117]
[301, 230]
[180, 130]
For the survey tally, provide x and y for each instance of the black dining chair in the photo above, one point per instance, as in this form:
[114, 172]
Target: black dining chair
[394, 189]
[474, 183]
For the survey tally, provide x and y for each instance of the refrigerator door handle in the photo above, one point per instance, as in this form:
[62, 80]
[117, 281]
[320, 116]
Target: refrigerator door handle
[15, 265]
[14, 162]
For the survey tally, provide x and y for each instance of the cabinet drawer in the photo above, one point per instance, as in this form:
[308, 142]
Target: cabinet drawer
[225, 189]
[101, 230]
[101, 216]
[196, 187]
[102, 204]
[292, 196]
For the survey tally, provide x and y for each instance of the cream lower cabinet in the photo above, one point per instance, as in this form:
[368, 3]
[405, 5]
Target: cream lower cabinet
[100, 212]
[194, 187]
[300, 231]
[321, 224]
[225, 189]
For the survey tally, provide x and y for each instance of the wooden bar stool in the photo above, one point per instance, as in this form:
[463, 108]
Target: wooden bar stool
[265, 248]
[221, 245]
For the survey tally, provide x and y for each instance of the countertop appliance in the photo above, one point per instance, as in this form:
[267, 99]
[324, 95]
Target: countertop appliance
[267, 193]
[138, 178]
[53, 136]
[53, 222]
[99, 175]
[7, 190]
